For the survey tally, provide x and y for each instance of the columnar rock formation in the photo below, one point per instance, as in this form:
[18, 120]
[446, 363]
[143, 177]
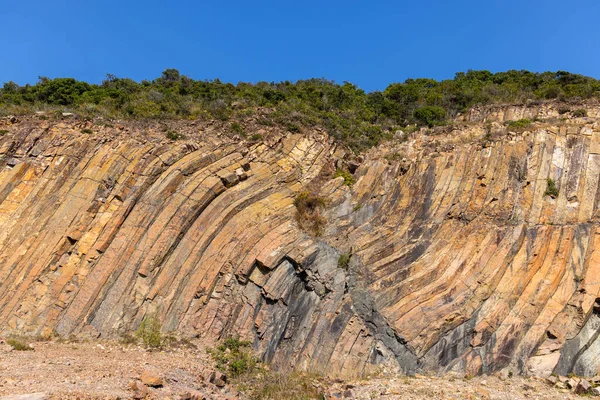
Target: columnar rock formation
[459, 258]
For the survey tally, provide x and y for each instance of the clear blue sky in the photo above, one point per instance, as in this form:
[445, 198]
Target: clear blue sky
[369, 43]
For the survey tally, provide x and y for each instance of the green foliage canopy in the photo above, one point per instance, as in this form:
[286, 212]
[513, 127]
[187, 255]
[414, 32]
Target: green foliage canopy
[348, 113]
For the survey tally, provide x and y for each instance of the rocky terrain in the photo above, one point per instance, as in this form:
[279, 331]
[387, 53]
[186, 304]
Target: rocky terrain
[448, 253]
[108, 370]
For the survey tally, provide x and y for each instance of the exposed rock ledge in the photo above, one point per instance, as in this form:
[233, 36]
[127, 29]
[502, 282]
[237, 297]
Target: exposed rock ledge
[459, 259]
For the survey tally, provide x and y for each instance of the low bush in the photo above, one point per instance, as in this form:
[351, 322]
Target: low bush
[308, 214]
[234, 357]
[173, 135]
[149, 332]
[349, 180]
[257, 137]
[344, 260]
[580, 113]
[236, 127]
[19, 344]
[519, 124]
[551, 189]
[87, 131]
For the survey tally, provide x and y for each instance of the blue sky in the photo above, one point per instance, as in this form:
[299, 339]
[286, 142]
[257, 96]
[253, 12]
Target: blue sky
[369, 43]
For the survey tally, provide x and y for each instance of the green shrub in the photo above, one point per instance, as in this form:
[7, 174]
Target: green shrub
[173, 135]
[551, 189]
[352, 116]
[349, 180]
[236, 127]
[87, 131]
[292, 127]
[563, 110]
[430, 115]
[257, 137]
[344, 260]
[19, 345]
[149, 332]
[519, 124]
[3, 132]
[234, 357]
[580, 113]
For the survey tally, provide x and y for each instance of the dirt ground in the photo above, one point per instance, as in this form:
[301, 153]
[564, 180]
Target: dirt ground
[107, 370]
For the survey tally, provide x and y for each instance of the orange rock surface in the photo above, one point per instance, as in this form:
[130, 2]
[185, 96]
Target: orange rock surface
[460, 261]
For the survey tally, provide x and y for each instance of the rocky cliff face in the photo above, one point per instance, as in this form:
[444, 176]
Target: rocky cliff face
[459, 260]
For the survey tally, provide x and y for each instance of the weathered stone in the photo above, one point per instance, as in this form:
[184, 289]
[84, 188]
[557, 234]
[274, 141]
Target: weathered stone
[218, 379]
[241, 173]
[151, 379]
[583, 387]
[229, 178]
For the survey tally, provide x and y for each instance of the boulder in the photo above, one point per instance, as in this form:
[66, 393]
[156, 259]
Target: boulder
[218, 379]
[151, 379]
[228, 178]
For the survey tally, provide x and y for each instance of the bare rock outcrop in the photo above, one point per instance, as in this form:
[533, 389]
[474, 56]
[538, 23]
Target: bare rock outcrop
[458, 260]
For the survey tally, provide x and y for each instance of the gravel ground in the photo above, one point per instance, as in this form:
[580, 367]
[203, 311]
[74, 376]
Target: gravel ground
[108, 370]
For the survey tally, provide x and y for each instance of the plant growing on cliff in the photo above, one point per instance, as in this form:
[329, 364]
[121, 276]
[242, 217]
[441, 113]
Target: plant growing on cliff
[579, 113]
[519, 124]
[173, 135]
[308, 213]
[149, 332]
[551, 189]
[349, 180]
[234, 357]
[430, 115]
[344, 260]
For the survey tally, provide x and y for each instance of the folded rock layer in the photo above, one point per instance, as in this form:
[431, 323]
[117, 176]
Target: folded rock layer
[460, 260]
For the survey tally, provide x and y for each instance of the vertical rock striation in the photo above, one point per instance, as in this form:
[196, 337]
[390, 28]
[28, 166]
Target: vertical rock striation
[460, 260]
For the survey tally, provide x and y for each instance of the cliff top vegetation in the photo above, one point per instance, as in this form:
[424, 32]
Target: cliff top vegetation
[351, 115]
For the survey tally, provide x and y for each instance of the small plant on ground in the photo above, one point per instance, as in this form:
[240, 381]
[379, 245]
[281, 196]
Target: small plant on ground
[87, 131]
[234, 357]
[563, 110]
[18, 344]
[3, 132]
[344, 260]
[173, 135]
[236, 127]
[308, 213]
[257, 137]
[348, 178]
[551, 189]
[149, 332]
[580, 113]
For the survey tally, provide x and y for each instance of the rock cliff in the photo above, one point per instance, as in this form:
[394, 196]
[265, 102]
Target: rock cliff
[455, 255]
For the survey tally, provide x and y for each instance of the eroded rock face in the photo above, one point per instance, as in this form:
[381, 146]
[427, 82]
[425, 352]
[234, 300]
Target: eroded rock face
[459, 261]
